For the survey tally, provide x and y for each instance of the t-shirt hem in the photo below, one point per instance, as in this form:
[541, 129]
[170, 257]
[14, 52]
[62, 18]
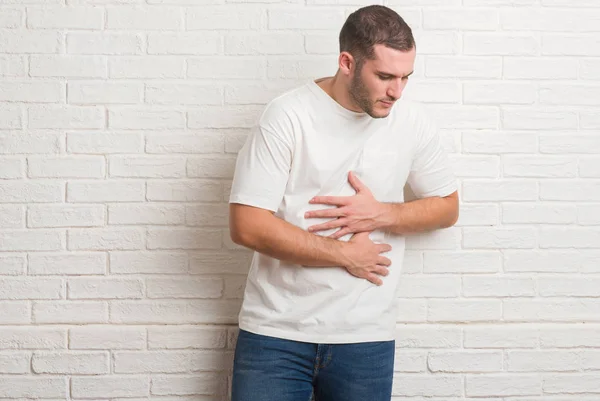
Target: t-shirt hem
[316, 338]
[261, 203]
[441, 192]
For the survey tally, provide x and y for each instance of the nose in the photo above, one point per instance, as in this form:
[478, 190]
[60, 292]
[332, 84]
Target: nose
[396, 88]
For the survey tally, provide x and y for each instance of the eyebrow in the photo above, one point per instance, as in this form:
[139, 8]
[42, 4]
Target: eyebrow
[392, 75]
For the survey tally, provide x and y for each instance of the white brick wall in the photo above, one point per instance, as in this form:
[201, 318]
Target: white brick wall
[119, 125]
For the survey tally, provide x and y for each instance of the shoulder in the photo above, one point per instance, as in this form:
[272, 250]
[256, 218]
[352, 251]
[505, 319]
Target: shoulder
[280, 112]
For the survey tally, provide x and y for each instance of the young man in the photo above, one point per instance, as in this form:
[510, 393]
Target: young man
[318, 195]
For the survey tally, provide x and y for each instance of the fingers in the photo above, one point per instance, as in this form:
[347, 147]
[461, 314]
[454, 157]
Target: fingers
[374, 279]
[340, 233]
[330, 200]
[384, 248]
[326, 226]
[383, 261]
[335, 212]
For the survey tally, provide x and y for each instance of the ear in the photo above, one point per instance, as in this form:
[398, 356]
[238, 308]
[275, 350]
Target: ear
[346, 63]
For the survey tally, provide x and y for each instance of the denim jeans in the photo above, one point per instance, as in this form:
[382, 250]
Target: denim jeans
[273, 369]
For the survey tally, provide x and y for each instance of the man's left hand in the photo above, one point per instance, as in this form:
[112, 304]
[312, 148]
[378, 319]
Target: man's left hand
[353, 214]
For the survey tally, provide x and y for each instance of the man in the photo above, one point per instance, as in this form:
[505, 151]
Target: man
[318, 195]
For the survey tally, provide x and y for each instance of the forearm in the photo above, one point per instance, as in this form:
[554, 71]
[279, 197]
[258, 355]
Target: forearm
[419, 215]
[281, 240]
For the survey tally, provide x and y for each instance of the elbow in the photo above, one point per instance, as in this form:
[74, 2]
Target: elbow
[453, 210]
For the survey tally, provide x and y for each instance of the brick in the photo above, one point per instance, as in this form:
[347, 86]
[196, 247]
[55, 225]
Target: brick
[588, 214]
[68, 66]
[206, 384]
[223, 117]
[588, 69]
[550, 19]
[471, 19]
[570, 45]
[230, 17]
[294, 68]
[107, 191]
[588, 120]
[234, 141]
[448, 238]
[146, 167]
[103, 337]
[30, 288]
[475, 166]
[110, 386]
[496, 142]
[104, 93]
[502, 385]
[146, 67]
[540, 166]
[185, 190]
[145, 119]
[235, 287]
[503, 190]
[12, 66]
[569, 336]
[210, 142]
[260, 43]
[569, 94]
[65, 18]
[568, 287]
[499, 93]
[428, 286]
[464, 361]
[498, 336]
[539, 68]
[66, 363]
[31, 191]
[10, 117]
[12, 265]
[473, 286]
[231, 67]
[204, 43]
[551, 310]
[569, 237]
[144, 18]
[535, 213]
[411, 311]
[465, 117]
[69, 312]
[309, 19]
[427, 385]
[578, 191]
[146, 214]
[184, 288]
[183, 238]
[428, 336]
[183, 94]
[102, 239]
[488, 3]
[27, 337]
[410, 361]
[26, 41]
[569, 143]
[220, 262]
[463, 310]
[319, 43]
[102, 143]
[63, 167]
[171, 361]
[473, 214]
[14, 363]
[30, 240]
[104, 288]
[11, 18]
[571, 383]
[35, 92]
[545, 261]
[499, 238]
[72, 263]
[148, 262]
[102, 43]
[207, 215]
[433, 91]
[32, 142]
[33, 387]
[15, 312]
[175, 311]
[437, 42]
[190, 337]
[11, 168]
[211, 167]
[70, 117]
[536, 119]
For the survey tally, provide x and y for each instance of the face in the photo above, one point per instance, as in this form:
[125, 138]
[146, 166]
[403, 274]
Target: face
[380, 82]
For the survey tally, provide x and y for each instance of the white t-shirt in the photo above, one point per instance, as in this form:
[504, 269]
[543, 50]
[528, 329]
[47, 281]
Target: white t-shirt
[304, 145]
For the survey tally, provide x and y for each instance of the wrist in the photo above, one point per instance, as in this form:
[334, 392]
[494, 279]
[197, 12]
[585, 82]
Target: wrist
[386, 216]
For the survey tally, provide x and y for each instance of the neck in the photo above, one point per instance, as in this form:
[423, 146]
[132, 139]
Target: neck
[338, 90]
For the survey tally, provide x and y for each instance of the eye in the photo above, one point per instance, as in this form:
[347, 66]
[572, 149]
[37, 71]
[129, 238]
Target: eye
[384, 77]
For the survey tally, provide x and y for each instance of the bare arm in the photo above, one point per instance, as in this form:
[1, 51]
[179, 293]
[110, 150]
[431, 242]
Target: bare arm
[260, 230]
[420, 215]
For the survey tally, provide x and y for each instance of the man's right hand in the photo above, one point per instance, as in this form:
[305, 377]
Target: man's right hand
[364, 260]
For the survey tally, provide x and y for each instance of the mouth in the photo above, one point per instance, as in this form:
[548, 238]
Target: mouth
[387, 104]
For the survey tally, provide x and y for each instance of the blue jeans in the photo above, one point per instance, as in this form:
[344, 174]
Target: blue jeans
[273, 369]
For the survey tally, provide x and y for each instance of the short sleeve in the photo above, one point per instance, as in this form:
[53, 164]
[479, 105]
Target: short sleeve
[431, 173]
[262, 170]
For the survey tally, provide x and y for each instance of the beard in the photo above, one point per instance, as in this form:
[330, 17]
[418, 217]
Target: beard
[359, 93]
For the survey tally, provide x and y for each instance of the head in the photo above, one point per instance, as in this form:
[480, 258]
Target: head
[377, 55]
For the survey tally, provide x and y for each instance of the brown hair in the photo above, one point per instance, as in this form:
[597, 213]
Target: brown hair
[372, 25]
